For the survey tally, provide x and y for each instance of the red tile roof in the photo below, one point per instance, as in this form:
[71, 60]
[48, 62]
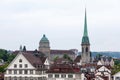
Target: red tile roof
[77, 59]
[33, 59]
[63, 68]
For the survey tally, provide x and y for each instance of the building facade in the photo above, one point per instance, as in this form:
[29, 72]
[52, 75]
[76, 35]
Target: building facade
[27, 66]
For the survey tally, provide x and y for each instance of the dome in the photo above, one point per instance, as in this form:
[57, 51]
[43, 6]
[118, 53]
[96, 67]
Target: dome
[44, 39]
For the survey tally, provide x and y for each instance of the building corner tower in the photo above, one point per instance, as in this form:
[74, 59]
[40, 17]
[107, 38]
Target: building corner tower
[44, 46]
[86, 55]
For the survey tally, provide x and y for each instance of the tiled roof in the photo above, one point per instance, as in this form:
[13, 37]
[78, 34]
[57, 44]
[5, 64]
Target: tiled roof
[77, 59]
[61, 60]
[62, 52]
[51, 52]
[109, 67]
[34, 59]
[63, 68]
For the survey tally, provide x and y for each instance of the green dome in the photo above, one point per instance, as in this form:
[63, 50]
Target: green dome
[44, 39]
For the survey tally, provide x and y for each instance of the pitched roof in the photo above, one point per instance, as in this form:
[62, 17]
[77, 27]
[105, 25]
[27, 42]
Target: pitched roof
[34, 59]
[61, 60]
[85, 38]
[62, 52]
[63, 68]
[51, 52]
[77, 59]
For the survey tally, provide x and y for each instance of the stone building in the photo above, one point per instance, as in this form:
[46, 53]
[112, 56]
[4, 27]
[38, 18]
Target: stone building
[44, 46]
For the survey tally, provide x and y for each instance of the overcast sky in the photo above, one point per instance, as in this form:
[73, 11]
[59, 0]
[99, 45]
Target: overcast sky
[23, 22]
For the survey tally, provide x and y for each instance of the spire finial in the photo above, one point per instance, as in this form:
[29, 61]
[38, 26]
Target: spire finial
[43, 35]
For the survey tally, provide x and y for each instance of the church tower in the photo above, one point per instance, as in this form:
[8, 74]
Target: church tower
[44, 46]
[86, 55]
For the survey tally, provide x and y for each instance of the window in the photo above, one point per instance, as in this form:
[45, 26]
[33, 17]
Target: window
[82, 50]
[15, 65]
[70, 76]
[31, 78]
[50, 76]
[63, 76]
[20, 71]
[26, 78]
[31, 71]
[20, 65]
[86, 49]
[26, 71]
[26, 65]
[15, 78]
[117, 78]
[9, 78]
[9, 71]
[20, 60]
[20, 78]
[15, 71]
[56, 75]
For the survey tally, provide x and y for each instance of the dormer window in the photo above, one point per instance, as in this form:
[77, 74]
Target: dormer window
[20, 60]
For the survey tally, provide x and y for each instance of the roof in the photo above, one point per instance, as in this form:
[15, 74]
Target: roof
[61, 60]
[44, 39]
[104, 58]
[62, 52]
[34, 59]
[85, 39]
[63, 68]
[77, 59]
[51, 52]
[107, 66]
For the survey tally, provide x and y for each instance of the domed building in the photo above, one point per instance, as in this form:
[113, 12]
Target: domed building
[44, 46]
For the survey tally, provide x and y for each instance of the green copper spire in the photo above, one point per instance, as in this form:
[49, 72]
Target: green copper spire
[85, 25]
[85, 39]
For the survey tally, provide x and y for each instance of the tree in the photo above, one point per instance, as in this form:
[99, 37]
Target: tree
[56, 58]
[116, 67]
[65, 56]
[2, 68]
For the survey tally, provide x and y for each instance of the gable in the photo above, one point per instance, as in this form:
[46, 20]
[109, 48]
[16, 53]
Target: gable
[103, 68]
[99, 63]
[17, 62]
[46, 62]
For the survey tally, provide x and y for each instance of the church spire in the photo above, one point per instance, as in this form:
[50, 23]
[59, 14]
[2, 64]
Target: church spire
[85, 25]
[85, 39]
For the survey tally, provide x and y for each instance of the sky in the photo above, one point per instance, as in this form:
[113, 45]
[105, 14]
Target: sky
[23, 22]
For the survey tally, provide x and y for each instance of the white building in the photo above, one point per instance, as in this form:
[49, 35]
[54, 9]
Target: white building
[64, 71]
[103, 72]
[116, 76]
[27, 66]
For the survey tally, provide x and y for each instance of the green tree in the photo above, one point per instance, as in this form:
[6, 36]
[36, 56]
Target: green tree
[2, 68]
[56, 58]
[65, 56]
